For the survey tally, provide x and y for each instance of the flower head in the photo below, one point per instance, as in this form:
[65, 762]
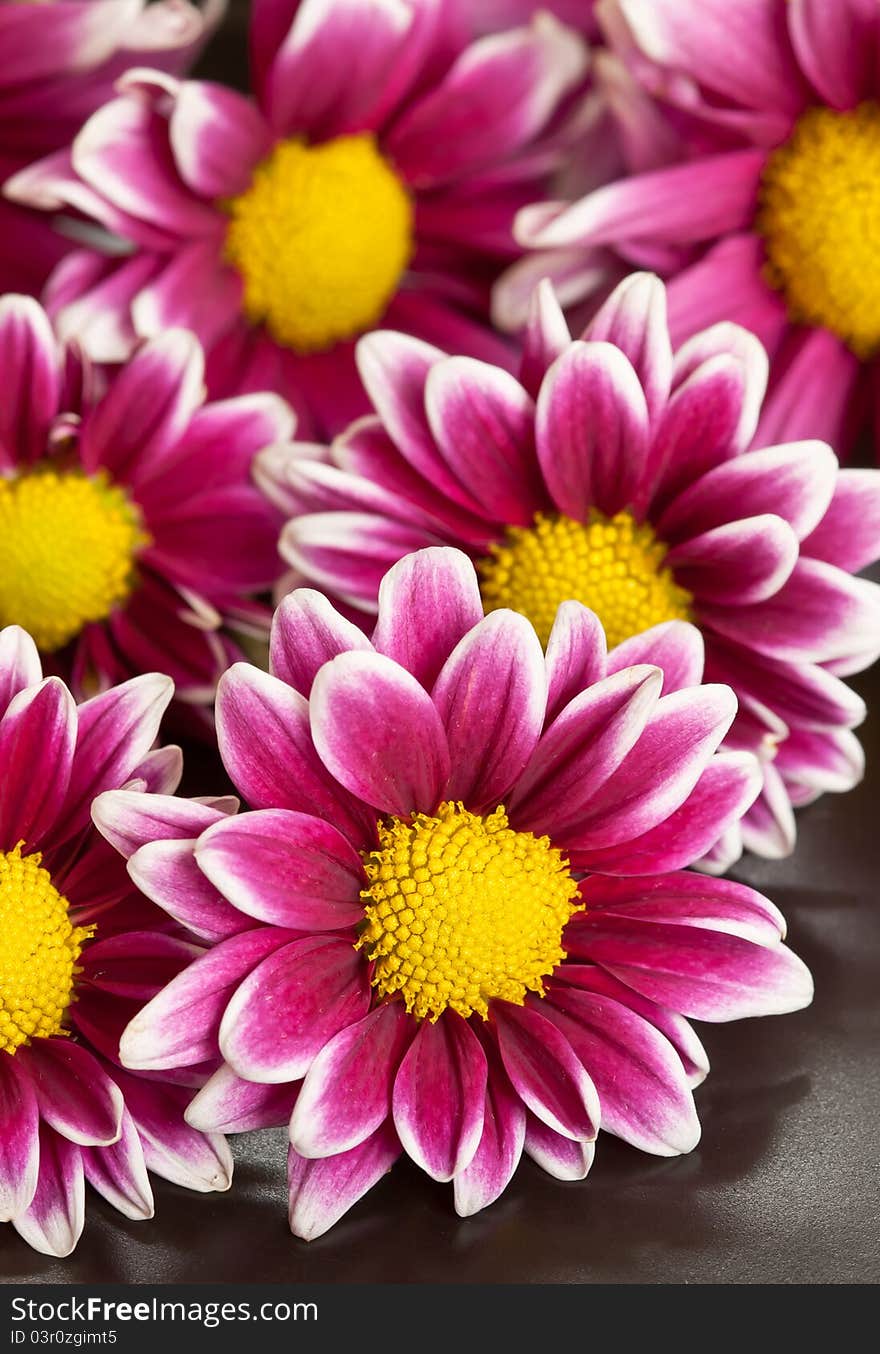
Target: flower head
[80, 949]
[60, 61]
[373, 177]
[616, 472]
[455, 921]
[751, 149]
[130, 532]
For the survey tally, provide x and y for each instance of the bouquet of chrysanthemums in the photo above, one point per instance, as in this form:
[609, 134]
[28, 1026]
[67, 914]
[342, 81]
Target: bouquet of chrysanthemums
[447, 429]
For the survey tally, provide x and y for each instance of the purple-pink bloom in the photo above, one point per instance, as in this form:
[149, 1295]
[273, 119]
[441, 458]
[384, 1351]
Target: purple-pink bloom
[617, 472]
[60, 62]
[750, 134]
[80, 950]
[374, 176]
[456, 920]
[132, 537]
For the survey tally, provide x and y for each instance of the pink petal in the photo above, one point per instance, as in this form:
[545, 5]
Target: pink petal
[290, 1007]
[74, 1093]
[180, 1026]
[379, 733]
[437, 582]
[289, 869]
[229, 1104]
[19, 1140]
[37, 737]
[849, 533]
[54, 1221]
[19, 664]
[119, 1173]
[675, 647]
[322, 1191]
[129, 819]
[545, 1072]
[592, 430]
[558, 1156]
[30, 370]
[736, 564]
[439, 1094]
[833, 50]
[575, 657]
[491, 695]
[217, 137]
[545, 338]
[497, 1156]
[306, 633]
[166, 871]
[346, 1094]
[633, 319]
[197, 1161]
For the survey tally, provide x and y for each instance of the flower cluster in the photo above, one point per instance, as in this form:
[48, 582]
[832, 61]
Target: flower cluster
[511, 642]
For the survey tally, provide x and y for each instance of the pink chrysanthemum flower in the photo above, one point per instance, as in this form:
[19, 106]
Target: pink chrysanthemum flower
[615, 475]
[752, 134]
[375, 176]
[80, 949]
[448, 927]
[131, 534]
[60, 59]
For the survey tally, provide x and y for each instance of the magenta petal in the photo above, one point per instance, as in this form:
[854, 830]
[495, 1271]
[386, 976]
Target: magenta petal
[849, 533]
[379, 733]
[291, 1006]
[575, 657]
[217, 138]
[592, 430]
[20, 664]
[723, 793]
[179, 1027]
[306, 633]
[322, 1191]
[482, 421]
[437, 582]
[675, 647]
[230, 1104]
[545, 1072]
[75, 1095]
[642, 1086]
[119, 1173]
[705, 974]
[166, 871]
[197, 1161]
[662, 769]
[439, 1094]
[30, 374]
[37, 737]
[583, 747]
[834, 50]
[19, 1139]
[545, 338]
[129, 819]
[115, 732]
[266, 744]
[346, 1094]
[558, 1156]
[737, 563]
[633, 319]
[491, 695]
[285, 868]
[497, 1156]
[54, 1221]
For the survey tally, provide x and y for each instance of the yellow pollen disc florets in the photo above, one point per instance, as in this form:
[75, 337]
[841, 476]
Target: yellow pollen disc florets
[461, 909]
[819, 214]
[67, 548]
[38, 952]
[614, 565]
[320, 238]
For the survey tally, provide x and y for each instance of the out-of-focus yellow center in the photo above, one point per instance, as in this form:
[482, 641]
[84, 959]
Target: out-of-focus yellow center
[819, 214]
[461, 908]
[39, 948]
[320, 238]
[67, 547]
[614, 565]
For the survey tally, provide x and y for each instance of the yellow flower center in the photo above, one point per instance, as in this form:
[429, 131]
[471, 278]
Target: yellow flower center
[67, 548]
[320, 238]
[38, 952]
[614, 565]
[461, 909]
[819, 214]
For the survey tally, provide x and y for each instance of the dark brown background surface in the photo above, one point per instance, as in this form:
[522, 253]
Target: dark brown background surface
[783, 1188]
